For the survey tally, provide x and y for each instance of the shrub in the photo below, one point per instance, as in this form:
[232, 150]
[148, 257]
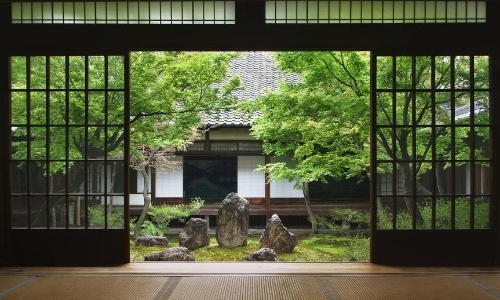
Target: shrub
[115, 216]
[149, 228]
[160, 216]
[443, 215]
[358, 249]
[344, 218]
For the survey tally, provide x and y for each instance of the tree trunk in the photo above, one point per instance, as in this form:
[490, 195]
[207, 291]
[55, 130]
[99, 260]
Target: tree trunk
[112, 184]
[439, 180]
[147, 200]
[305, 191]
[408, 172]
[408, 190]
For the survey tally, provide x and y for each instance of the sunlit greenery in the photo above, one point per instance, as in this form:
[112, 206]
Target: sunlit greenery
[336, 245]
[114, 218]
[443, 219]
[344, 218]
[161, 215]
[323, 247]
[323, 121]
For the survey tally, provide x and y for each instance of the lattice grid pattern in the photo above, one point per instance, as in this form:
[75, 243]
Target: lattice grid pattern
[117, 12]
[369, 12]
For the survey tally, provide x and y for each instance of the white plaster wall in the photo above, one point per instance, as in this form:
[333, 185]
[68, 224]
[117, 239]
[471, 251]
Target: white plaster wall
[137, 199]
[116, 200]
[284, 189]
[170, 183]
[250, 182]
[140, 181]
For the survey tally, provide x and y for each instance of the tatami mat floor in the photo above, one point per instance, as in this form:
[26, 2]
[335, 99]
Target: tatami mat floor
[249, 280]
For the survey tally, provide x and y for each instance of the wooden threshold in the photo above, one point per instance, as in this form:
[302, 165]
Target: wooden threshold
[248, 268]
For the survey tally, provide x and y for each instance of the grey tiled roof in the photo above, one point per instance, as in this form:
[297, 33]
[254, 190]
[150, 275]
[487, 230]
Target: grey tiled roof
[228, 118]
[258, 72]
[462, 112]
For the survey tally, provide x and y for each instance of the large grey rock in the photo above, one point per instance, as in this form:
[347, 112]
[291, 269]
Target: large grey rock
[151, 240]
[178, 254]
[232, 221]
[263, 254]
[171, 254]
[277, 237]
[195, 234]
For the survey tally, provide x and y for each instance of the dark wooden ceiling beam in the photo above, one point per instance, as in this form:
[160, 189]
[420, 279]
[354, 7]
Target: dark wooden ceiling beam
[249, 33]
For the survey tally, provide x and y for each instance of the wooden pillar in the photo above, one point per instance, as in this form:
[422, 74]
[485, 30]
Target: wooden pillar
[5, 208]
[492, 11]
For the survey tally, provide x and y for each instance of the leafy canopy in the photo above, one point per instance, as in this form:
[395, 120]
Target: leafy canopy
[312, 121]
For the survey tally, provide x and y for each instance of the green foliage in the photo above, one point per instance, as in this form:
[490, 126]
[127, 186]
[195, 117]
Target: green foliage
[168, 92]
[422, 143]
[384, 219]
[161, 215]
[132, 224]
[83, 108]
[443, 215]
[358, 249]
[323, 124]
[343, 218]
[310, 248]
[114, 218]
[150, 228]
[313, 122]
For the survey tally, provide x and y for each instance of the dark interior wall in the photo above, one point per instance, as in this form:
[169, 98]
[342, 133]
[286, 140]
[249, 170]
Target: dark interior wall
[4, 215]
[249, 34]
[494, 18]
[4, 108]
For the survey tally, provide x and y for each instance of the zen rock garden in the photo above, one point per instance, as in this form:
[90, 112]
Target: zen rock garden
[232, 231]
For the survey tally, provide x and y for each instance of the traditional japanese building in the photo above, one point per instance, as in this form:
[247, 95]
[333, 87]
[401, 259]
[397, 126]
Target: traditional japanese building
[226, 158]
